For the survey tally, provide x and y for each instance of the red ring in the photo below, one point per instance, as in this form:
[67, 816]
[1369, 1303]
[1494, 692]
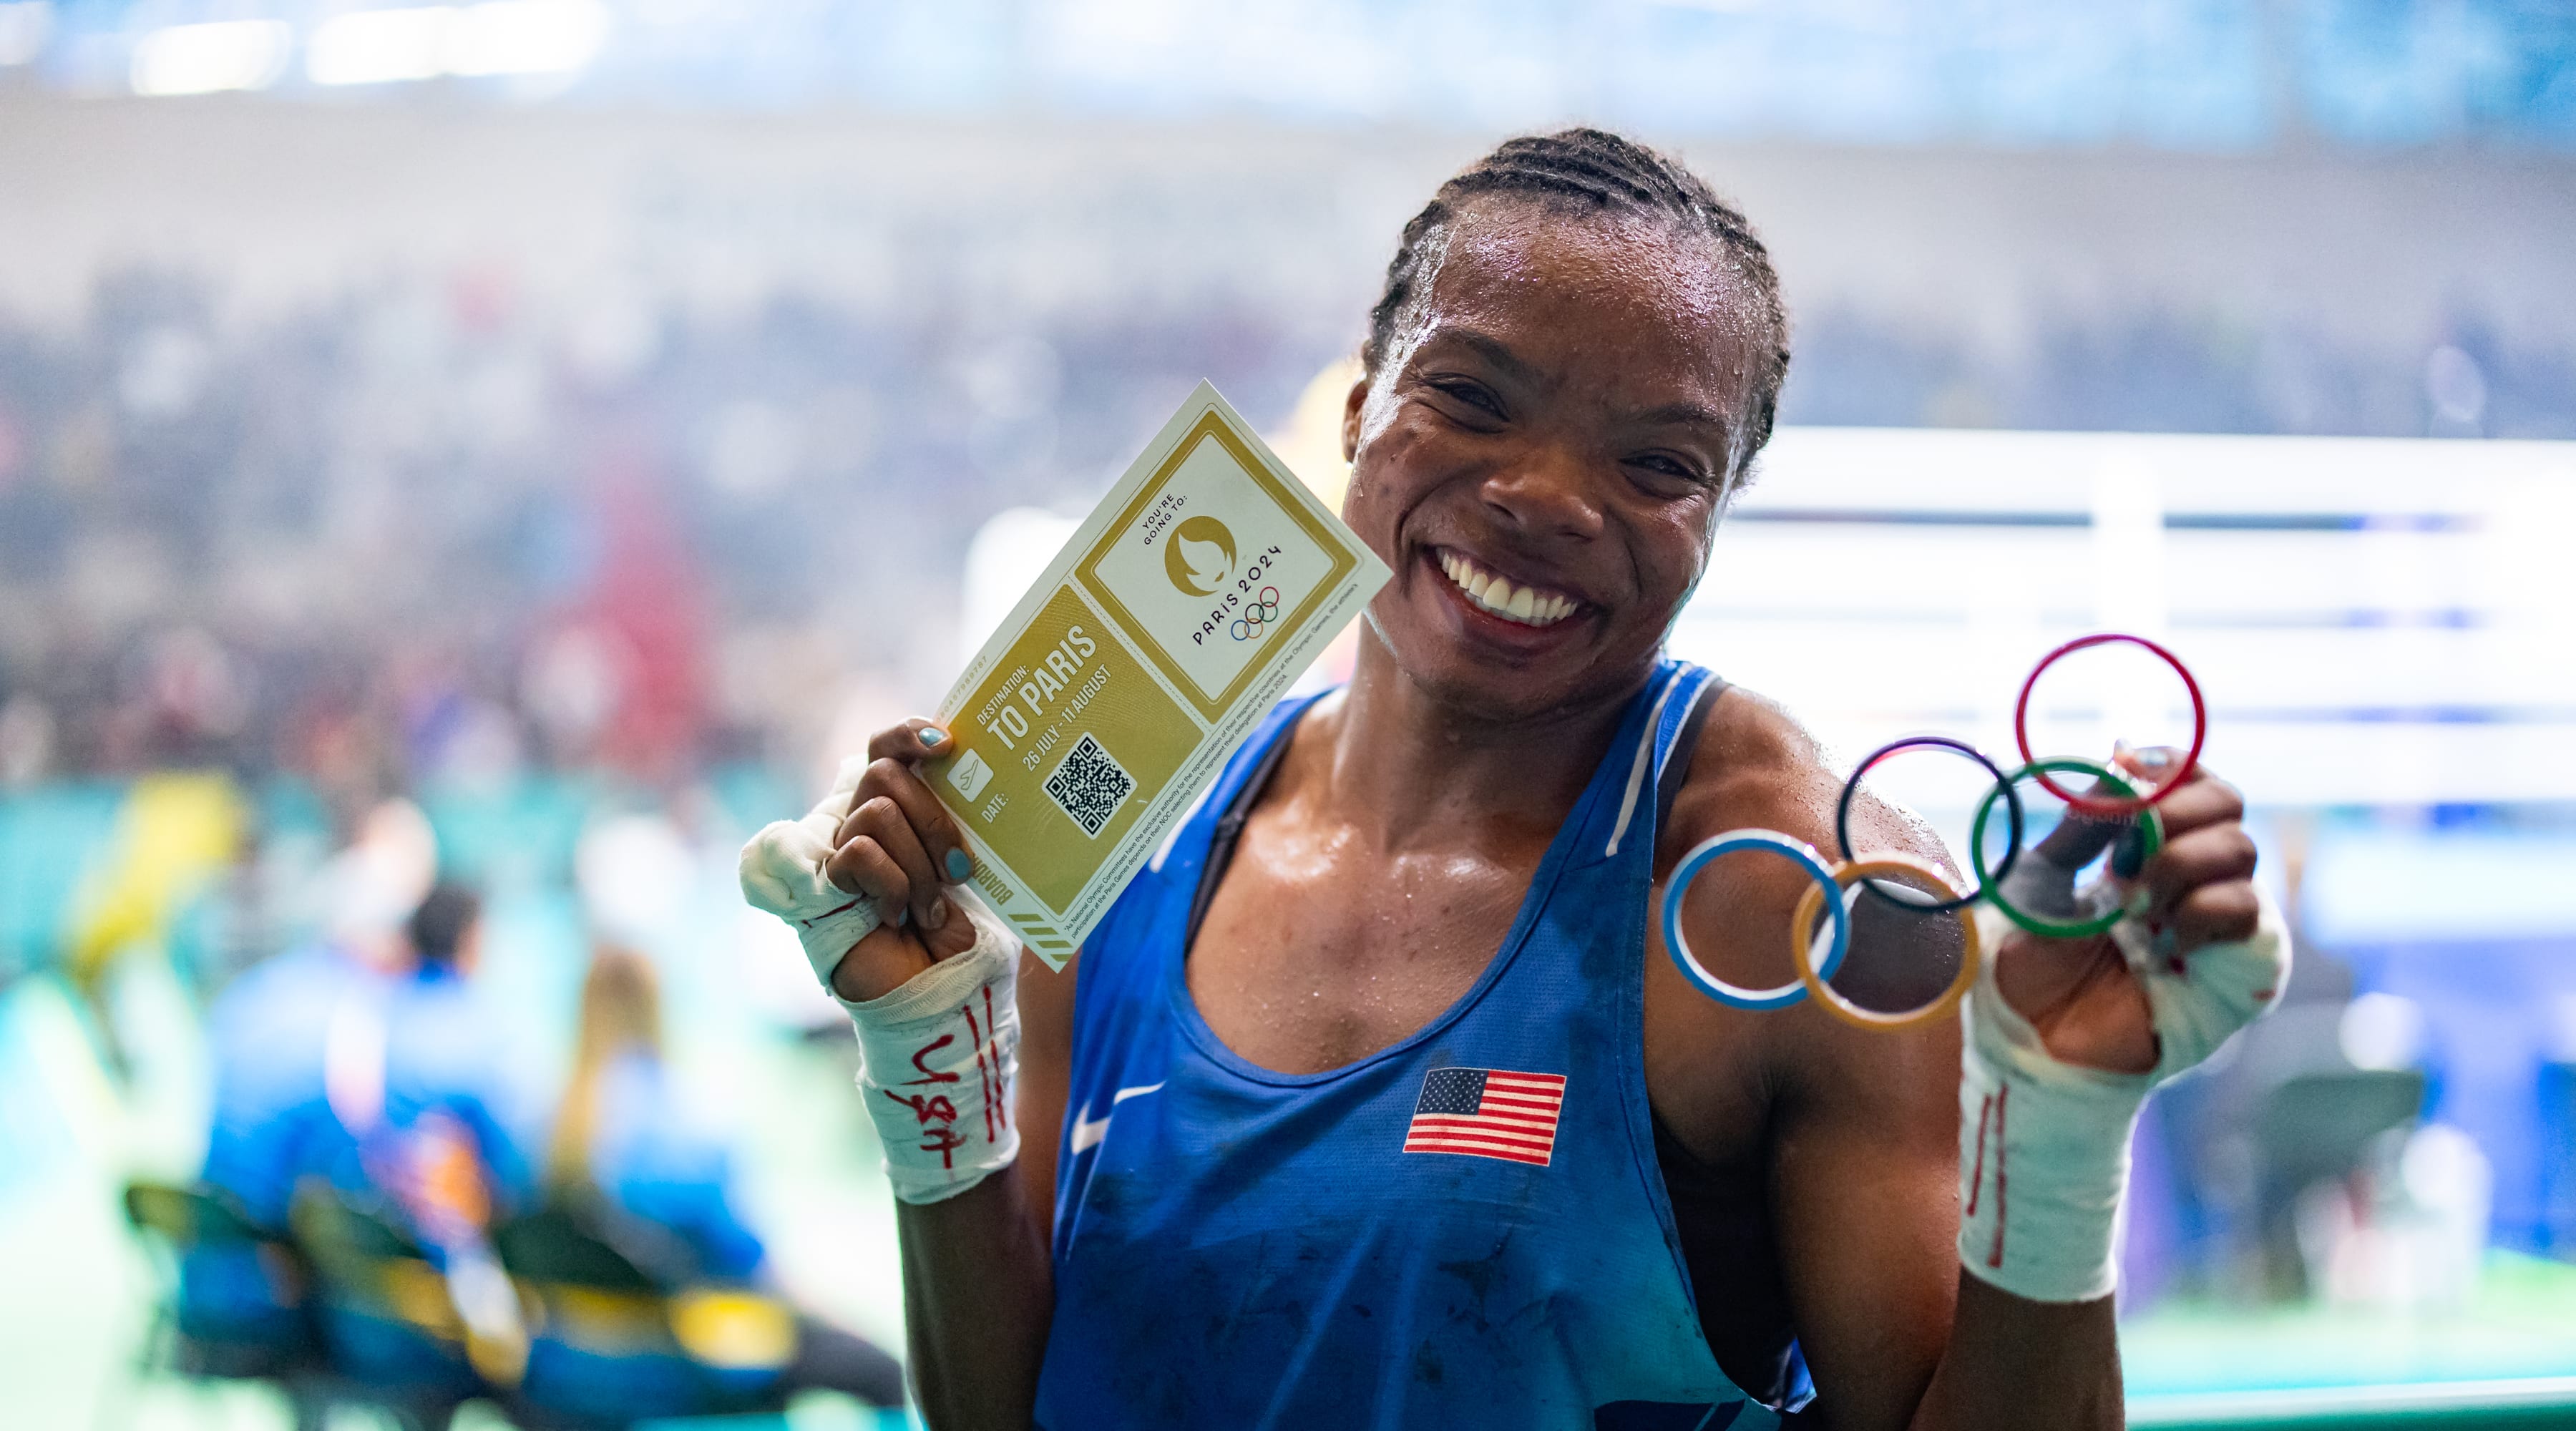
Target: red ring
[2126, 805]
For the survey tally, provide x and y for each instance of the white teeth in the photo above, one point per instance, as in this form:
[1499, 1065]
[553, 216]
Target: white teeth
[1524, 604]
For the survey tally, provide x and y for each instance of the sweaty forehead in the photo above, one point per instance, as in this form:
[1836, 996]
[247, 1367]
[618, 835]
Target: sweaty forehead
[1633, 304]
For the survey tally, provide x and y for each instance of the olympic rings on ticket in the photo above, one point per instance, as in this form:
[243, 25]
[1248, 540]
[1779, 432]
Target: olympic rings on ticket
[2012, 798]
[2094, 804]
[2144, 813]
[1800, 853]
[1264, 609]
[1866, 872]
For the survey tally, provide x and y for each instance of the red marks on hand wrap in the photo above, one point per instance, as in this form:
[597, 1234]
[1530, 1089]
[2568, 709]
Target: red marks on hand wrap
[983, 1073]
[990, 1078]
[1977, 1172]
[926, 1107]
[1001, 1075]
[826, 914]
[1990, 1110]
[945, 1141]
[936, 1114]
[1995, 1256]
[929, 1074]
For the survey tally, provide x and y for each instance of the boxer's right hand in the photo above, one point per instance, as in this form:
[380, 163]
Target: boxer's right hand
[899, 847]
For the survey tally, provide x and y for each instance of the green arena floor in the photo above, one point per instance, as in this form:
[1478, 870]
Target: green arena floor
[2505, 1359]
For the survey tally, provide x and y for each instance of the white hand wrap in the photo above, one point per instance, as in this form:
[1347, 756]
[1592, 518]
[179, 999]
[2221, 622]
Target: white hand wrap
[2044, 1145]
[782, 873]
[940, 1056]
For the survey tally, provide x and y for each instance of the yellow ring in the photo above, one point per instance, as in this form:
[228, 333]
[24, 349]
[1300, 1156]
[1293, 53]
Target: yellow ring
[1803, 918]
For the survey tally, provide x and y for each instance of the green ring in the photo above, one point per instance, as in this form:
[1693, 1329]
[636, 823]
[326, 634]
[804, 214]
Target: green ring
[2047, 929]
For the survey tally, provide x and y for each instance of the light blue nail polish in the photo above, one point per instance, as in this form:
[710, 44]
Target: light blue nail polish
[933, 735]
[959, 867]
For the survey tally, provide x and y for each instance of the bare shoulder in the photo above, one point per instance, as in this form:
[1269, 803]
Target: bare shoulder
[1756, 766]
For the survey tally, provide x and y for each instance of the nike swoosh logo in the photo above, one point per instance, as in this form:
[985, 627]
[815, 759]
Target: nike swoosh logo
[1087, 1132]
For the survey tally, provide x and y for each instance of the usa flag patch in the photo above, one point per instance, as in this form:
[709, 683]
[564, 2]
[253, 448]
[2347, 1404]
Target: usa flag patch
[1487, 1113]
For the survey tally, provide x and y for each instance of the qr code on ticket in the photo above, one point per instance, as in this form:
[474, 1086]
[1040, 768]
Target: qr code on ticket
[1089, 786]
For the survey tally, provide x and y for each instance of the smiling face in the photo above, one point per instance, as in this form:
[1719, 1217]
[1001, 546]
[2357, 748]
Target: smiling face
[1543, 454]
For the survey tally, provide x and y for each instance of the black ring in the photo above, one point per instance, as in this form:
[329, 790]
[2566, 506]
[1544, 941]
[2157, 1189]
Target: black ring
[2012, 803]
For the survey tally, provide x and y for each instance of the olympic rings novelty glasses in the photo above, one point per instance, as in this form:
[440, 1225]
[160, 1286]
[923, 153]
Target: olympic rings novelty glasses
[2045, 902]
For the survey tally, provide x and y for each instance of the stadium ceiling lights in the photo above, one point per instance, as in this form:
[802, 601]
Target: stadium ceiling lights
[497, 38]
[210, 58]
[503, 37]
[25, 25]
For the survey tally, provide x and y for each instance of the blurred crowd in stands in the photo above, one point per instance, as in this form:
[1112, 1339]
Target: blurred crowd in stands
[439, 531]
[428, 536]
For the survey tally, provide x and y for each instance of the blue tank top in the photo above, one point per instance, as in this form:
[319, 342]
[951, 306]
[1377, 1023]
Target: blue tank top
[1466, 1229]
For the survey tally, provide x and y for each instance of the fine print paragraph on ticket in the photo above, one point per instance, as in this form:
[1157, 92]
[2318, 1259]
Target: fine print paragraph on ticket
[1206, 581]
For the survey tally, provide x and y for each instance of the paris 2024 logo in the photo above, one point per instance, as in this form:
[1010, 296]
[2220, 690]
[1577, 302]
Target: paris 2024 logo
[1199, 556]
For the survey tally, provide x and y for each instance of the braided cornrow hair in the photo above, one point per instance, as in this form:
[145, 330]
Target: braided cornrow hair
[1595, 171]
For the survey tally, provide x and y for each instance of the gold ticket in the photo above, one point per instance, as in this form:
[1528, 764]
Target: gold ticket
[1206, 581]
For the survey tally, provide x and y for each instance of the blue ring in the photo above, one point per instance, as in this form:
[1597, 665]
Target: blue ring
[1800, 853]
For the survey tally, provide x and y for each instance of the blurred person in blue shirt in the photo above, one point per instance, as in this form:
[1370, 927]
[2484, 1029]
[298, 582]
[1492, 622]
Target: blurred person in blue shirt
[652, 1177]
[416, 1120]
[241, 1305]
[424, 1127]
[268, 1034]
[436, 1064]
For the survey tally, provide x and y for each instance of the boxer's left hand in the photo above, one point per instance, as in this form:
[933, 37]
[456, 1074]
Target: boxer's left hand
[2080, 994]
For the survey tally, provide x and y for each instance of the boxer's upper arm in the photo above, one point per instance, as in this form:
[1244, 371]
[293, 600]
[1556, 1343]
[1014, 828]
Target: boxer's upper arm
[1860, 1127]
[1865, 1171]
[1860, 1169]
[1864, 1191]
[1046, 1076]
